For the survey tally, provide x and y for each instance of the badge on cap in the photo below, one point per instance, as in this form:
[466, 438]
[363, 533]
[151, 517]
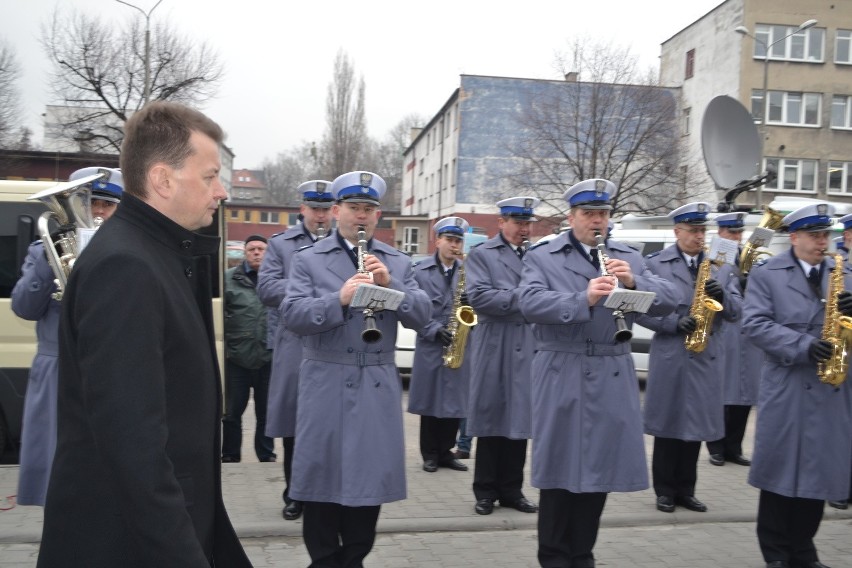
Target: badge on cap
[321, 185]
[702, 208]
[600, 187]
[822, 209]
[366, 180]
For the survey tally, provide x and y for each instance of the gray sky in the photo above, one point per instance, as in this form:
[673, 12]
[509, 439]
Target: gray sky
[279, 55]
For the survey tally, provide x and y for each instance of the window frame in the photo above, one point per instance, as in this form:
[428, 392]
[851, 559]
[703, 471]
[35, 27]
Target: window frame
[782, 166]
[781, 51]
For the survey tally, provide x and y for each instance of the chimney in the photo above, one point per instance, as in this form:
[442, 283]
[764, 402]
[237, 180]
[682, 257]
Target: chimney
[571, 77]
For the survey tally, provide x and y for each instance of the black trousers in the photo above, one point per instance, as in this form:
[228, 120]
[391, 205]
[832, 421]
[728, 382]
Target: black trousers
[289, 445]
[437, 437]
[568, 528]
[337, 536]
[674, 467]
[736, 418]
[786, 527]
[499, 470]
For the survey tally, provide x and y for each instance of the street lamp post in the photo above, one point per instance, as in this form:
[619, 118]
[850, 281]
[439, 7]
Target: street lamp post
[146, 87]
[764, 119]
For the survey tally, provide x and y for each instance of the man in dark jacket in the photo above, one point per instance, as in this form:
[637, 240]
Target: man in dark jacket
[136, 479]
[248, 360]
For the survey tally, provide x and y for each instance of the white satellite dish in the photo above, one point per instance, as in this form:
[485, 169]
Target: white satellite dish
[730, 142]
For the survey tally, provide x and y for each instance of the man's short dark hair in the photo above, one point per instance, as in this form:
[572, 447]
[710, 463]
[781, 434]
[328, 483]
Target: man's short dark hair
[160, 132]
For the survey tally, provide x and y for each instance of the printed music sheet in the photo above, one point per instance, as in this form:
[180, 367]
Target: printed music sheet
[376, 297]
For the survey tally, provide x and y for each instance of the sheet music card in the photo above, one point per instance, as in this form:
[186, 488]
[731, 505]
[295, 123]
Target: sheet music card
[84, 235]
[376, 297]
[761, 236]
[723, 250]
[630, 300]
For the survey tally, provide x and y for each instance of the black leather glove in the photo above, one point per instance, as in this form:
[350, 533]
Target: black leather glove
[686, 325]
[820, 350]
[713, 289]
[844, 303]
[444, 336]
[465, 301]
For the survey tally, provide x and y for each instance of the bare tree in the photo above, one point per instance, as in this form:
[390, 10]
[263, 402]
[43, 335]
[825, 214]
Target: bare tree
[99, 70]
[386, 159]
[607, 120]
[9, 96]
[346, 126]
[289, 170]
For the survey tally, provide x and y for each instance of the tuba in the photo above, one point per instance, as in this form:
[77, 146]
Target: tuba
[69, 205]
[371, 333]
[771, 219]
[837, 330]
[462, 318]
[703, 309]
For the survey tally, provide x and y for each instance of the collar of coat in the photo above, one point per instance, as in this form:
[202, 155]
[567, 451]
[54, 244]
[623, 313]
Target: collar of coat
[563, 244]
[330, 244]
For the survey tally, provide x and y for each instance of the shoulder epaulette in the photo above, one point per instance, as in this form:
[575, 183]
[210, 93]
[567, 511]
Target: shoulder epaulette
[653, 254]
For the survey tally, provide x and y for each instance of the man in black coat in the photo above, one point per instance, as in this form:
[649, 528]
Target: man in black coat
[136, 479]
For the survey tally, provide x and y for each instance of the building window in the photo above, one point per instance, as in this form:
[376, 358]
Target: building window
[806, 45]
[234, 215]
[690, 64]
[411, 240]
[841, 111]
[269, 217]
[448, 121]
[840, 177]
[793, 175]
[843, 47]
[686, 116]
[292, 219]
[788, 108]
[421, 167]
[246, 216]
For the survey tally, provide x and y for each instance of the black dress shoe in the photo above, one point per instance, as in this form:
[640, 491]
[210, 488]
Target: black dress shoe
[842, 505]
[717, 459]
[267, 459]
[665, 504]
[484, 506]
[523, 505]
[430, 465]
[453, 464]
[777, 564]
[293, 510]
[811, 564]
[691, 503]
[461, 454]
[230, 459]
[739, 460]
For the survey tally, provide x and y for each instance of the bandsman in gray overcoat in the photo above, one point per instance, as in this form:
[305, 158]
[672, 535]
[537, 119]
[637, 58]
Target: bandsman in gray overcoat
[501, 353]
[587, 422]
[683, 396]
[286, 345]
[742, 362]
[351, 455]
[803, 440]
[436, 392]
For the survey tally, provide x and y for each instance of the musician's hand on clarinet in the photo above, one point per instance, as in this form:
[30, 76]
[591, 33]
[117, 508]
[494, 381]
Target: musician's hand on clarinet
[380, 272]
[621, 270]
[599, 288]
[347, 291]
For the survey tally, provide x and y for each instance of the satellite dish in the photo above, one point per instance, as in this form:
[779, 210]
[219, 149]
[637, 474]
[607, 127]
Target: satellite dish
[730, 142]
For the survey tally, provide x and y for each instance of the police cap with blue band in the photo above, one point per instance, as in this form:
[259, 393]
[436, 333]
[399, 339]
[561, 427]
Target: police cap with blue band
[108, 187]
[731, 221]
[691, 213]
[810, 218]
[317, 193]
[847, 222]
[359, 187]
[519, 208]
[591, 194]
[455, 226]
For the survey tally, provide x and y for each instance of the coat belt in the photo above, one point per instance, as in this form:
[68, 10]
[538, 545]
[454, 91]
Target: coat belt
[588, 348]
[359, 358]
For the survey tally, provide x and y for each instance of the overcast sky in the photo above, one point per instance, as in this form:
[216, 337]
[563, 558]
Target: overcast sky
[279, 54]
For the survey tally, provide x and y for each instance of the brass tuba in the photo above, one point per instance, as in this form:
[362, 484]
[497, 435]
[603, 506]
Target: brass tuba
[837, 330]
[771, 219]
[703, 309]
[70, 207]
[462, 318]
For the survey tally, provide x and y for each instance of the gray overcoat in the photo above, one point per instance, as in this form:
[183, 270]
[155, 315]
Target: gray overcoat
[501, 345]
[683, 393]
[436, 390]
[349, 424]
[743, 359]
[31, 300]
[587, 422]
[286, 346]
[803, 440]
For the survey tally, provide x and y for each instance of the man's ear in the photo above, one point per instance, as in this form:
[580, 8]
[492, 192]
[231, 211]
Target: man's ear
[378, 214]
[160, 180]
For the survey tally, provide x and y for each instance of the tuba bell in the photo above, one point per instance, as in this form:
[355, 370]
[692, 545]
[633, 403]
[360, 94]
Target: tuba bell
[771, 219]
[69, 206]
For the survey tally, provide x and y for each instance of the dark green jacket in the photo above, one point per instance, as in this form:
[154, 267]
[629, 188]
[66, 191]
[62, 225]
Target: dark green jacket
[245, 321]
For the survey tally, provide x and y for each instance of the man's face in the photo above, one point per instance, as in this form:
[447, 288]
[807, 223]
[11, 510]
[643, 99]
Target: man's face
[449, 247]
[313, 217]
[690, 238]
[350, 216]
[513, 230]
[726, 233]
[103, 208]
[198, 190]
[809, 247]
[584, 223]
[254, 254]
[847, 239]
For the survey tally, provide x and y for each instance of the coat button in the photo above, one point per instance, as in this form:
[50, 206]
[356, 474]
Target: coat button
[349, 385]
[186, 244]
[188, 272]
[349, 350]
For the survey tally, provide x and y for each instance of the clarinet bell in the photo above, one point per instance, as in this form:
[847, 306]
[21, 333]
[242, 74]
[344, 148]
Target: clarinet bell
[622, 332]
[371, 333]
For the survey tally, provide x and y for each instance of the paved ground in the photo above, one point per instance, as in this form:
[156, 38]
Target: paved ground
[436, 525]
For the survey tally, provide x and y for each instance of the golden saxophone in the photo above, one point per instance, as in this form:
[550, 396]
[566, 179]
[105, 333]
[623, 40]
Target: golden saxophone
[703, 309]
[837, 330]
[771, 219]
[622, 332]
[462, 318]
[371, 333]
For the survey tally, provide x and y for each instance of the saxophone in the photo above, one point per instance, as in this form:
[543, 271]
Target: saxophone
[771, 219]
[837, 330]
[703, 309]
[462, 318]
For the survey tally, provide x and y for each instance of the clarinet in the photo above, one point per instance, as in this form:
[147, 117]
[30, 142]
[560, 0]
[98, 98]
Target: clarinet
[321, 234]
[371, 333]
[622, 332]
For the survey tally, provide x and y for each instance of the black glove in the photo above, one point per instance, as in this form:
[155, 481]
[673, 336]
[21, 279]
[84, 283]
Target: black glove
[713, 289]
[743, 281]
[465, 301]
[686, 325]
[444, 336]
[844, 303]
[820, 350]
